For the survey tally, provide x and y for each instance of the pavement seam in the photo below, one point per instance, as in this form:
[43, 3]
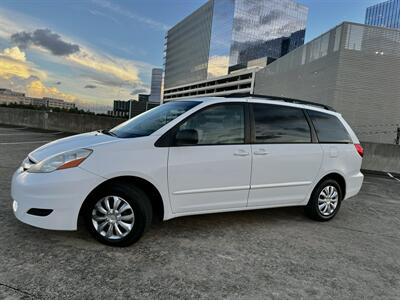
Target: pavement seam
[32, 133]
[366, 232]
[18, 290]
[18, 143]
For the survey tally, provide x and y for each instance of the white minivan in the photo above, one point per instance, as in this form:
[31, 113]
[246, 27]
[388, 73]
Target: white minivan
[187, 157]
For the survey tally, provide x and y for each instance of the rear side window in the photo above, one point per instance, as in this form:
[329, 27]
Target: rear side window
[280, 124]
[329, 128]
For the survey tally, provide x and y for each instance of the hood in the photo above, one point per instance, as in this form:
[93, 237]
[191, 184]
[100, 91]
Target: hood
[85, 140]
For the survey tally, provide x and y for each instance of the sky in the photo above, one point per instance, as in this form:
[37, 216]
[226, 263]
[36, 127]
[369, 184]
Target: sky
[92, 52]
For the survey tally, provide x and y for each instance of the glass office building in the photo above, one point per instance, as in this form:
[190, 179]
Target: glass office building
[224, 35]
[385, 14]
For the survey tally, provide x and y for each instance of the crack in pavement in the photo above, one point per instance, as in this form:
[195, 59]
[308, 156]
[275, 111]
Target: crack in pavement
[19, 291]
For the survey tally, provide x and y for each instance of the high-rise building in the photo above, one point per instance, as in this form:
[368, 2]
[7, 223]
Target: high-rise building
[385, 14]
[156, 85]
[143, 97]
[131, 107]
[224, 35]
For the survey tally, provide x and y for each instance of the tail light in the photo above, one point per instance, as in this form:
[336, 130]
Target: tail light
[359, 149]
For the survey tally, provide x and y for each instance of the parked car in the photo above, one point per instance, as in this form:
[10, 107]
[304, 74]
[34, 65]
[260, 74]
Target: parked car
[188, 157]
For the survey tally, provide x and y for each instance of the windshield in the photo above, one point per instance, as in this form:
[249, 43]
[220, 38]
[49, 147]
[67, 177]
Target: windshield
[152, 120]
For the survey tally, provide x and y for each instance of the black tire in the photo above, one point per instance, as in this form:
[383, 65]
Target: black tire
[312, 209]
[139, 203]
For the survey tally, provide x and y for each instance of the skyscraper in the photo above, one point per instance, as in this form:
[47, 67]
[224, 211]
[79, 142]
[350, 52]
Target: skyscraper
[385, 14]
[224, 35]
[156, 85]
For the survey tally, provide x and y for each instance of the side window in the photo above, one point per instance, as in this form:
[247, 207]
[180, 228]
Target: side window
[221, 124]
[280, 124]
[329, 128]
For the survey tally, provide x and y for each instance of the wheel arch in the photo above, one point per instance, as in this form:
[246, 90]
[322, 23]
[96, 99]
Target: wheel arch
[338, 178]
[152, 192]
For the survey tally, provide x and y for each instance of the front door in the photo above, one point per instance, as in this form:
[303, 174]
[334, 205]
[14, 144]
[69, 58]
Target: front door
[213, 172]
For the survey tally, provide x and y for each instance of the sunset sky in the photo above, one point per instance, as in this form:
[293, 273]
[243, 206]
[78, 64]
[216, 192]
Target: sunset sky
[92, 52]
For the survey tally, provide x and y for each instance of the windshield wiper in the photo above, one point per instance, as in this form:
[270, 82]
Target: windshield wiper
[108, 132]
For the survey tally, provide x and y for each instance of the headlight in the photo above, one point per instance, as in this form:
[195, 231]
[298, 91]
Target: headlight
[65, 160]
[26, 164]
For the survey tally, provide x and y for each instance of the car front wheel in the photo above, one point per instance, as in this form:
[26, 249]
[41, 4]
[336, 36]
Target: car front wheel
[118, 215]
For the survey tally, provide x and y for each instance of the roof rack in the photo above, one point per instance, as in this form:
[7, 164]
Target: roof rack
[284, 99]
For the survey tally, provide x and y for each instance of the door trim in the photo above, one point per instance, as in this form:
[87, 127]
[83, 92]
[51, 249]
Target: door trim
[208, 190]
[285, 184]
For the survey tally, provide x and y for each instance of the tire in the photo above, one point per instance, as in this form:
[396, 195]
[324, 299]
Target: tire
[315, 208]
[124, 220]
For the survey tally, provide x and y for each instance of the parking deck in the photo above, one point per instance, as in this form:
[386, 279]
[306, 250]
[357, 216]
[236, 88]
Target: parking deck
[275, 253]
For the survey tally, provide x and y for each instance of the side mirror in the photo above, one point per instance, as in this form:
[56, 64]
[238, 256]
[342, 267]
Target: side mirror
[186, 137]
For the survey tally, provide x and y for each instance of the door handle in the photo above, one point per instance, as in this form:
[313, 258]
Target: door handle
[261, 152]
[241, 152]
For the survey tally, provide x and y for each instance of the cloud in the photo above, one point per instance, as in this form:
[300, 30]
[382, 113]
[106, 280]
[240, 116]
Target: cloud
[19, 74]
[139, 91]
[12, 21]
[13, 64]
[46, 39]
[103, 15]
[131, 15]
[14, 53]
[138, 88]
[115, 77]
[105, 69]
[38, 89]
[90, 86]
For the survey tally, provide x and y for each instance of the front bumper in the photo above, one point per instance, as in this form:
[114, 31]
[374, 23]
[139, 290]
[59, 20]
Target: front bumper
[62, 191]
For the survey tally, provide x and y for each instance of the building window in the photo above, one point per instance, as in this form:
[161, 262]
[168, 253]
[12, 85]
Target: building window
[338, 35]
[324, 45]
[354, 38]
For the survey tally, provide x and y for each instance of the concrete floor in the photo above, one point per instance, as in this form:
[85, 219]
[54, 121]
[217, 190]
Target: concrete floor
[276, 253]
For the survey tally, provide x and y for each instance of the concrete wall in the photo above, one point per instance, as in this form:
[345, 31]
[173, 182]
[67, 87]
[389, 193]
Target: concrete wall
[353, 68]
[381, 157]
[67, 122]
[378, 157]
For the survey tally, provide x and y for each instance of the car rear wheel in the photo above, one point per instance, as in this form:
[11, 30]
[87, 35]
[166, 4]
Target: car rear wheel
[118, 215]
[325, 201]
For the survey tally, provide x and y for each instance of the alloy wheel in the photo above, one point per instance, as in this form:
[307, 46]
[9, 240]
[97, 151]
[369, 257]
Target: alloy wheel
[328, 200]
[113, 217]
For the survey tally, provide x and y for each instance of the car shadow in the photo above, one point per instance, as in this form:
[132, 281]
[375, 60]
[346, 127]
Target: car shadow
[188, 226]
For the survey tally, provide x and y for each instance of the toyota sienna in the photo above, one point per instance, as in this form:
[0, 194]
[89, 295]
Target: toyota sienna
[188, 157]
